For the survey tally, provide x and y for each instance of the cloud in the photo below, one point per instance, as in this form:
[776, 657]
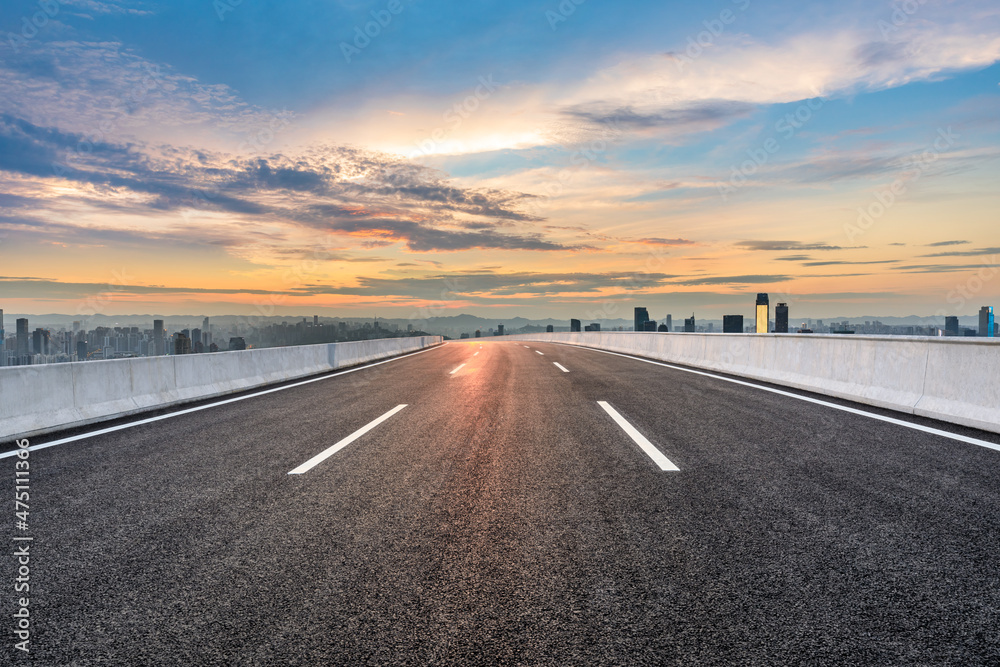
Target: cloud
[734, 280]
[788, 245]
[884, 261]
[695, 117]
[339, 190]
[665, 242]
[965, 253]
[945, 243]
[423, 238]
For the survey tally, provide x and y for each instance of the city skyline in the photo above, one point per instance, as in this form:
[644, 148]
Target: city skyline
[537, 159]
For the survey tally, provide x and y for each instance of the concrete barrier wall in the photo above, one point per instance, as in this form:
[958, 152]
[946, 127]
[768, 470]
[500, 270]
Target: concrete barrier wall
[42, 399]
[952, 379]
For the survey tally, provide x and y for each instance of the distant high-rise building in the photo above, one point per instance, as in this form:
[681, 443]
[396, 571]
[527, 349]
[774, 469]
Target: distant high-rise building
[159, 340]
[315, 320]
[732, 324]
[781, 318]
[689, 324]
[641, 317]
[549, 328]
[662, 328]
[986, 321]
[589, 327]
[182, 343]
[649, 325]
[574, 325]
[479, 333]
[596, 326]
[951, 326]
[196, 339]
[81, 351]
[670, 323]
[23, 346]
[499, 329]
[40, 341]
[237, 343]
[763, 313]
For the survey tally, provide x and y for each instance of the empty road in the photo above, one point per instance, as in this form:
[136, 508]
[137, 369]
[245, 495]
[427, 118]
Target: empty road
[501, 502]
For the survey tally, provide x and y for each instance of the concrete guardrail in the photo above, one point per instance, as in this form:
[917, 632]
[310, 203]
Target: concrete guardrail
[41, 399]
[952, 379]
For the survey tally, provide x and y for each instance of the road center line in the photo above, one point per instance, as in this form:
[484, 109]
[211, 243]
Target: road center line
[327, 453]
[457, 369]
[540, 352]
[854, 411]
[476, 354]
[653, 453]
[185, 411]
[561, 367]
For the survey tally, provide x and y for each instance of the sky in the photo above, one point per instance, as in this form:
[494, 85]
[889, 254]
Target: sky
[409, 158]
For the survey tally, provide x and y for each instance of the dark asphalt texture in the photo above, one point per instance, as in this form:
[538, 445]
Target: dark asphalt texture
[504, 518]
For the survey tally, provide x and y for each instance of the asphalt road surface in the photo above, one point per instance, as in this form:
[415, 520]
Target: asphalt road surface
[508, 515]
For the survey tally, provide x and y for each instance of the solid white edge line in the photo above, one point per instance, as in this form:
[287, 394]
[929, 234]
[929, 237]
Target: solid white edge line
[327, 453]
[561, 367]
[651, 451]
[457, 369]
[150, 420]
[540, 352]
[476, 354]
[816, 401]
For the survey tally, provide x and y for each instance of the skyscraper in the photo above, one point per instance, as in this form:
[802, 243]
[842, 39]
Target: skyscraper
[40, 341]
[574, 325]
[781, 318]
[670, 324]
[951, 326]
[641, 317]
[159, 342]
[763, 312]
[499, 329]
[182, 343]
[689, 324]
[985, 321]
[22, 337]
[549, 328]
[732, 324]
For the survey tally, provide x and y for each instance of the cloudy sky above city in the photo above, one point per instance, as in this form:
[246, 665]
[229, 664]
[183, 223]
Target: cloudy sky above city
[499, 158]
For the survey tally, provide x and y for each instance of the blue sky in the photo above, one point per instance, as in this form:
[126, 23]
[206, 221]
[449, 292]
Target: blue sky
[218, 152]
